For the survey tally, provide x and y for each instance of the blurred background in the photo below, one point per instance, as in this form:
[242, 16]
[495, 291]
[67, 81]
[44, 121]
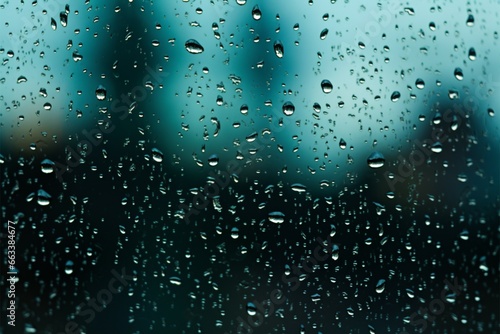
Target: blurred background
[374, 125]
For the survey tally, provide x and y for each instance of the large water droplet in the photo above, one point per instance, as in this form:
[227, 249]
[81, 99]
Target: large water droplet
[376, 160]
[470, 20]
[323, 33]
[47, 166]
[326, 86]
[419, 83]
[157, 155]
[276, 217]
[279, 50]
[68, 267]
[192, 46]
[299, 187]
[458, 73]
[380, 286]
[251, 309]
[100, 93]
[256, 13]
[213, 160]
[472, 54]
[175, 280]
[288, 108]
[395, 96]
[63, 16]
[43, 198]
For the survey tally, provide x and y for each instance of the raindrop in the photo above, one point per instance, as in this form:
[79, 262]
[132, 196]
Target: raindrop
[470, 20]
[43, 198]
[326, 86]
[100, 93]
[175, 280]
[420, 84]
[288, 108]
[491, 112]
[279, 49]
[376, 160]
[472, 54]
[380, 286]
[21, 79]
[234, 233]
[157, 155]
[298, 187]
[342, 144]
[458, 73]
[437, 147]
[192, 46]
[53, 24]
[323, 33]
[276, 217]
[395, 96]
[256, 13]
[251, 309]
[244, 109]
[213, 160]
[47, 166]
[68, 267]
[63, 16]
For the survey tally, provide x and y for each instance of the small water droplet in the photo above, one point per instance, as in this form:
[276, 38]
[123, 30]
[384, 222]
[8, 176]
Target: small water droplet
[342, 144]
[251, 309]
[175, 280]
[192, 46]
[380, 287]
[288, 108]
[491, 112]
[21, 79]
[53, 24]
[376, 160]
[68, 267]
[458, 73]
[244, 109]
[472, 54]
[279, 50]
[470, 20]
